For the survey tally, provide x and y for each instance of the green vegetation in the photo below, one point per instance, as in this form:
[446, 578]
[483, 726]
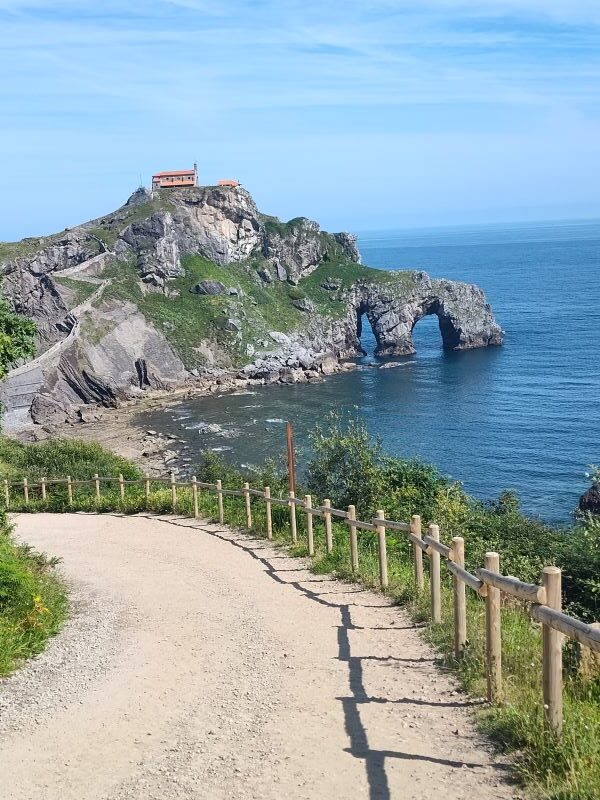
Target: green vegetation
[33, 602]
[57, 458]
[81, 289]
[274, 225]
[16, 337]
[186, 318]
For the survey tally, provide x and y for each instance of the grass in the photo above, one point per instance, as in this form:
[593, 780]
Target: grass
[57, 458]
[33, 601]
[553, 769]
[81, 289]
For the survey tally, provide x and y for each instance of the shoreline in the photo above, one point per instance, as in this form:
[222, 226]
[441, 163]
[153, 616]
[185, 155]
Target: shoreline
[154, 452]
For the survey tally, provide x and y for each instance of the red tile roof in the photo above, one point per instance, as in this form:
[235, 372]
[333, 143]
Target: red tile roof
[173, 172]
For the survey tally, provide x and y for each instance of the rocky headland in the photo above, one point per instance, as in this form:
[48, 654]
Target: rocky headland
[194, 290]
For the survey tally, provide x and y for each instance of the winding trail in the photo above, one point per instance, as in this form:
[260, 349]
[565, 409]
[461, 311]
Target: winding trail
[201, 662]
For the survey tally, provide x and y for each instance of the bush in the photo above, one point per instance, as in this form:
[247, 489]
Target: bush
[295, 293]
[57, 458]
[33, 602]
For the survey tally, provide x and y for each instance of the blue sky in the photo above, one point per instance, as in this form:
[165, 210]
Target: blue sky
[361, 114]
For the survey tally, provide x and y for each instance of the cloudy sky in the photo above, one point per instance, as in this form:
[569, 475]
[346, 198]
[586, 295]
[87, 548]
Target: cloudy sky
[360, 113]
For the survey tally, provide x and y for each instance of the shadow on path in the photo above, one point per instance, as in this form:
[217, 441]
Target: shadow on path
[359, 747]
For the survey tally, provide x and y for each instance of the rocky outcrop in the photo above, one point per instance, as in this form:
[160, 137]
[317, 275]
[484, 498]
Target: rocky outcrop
[590, 500]
[296, 248]
[393, 309]
[28, 280]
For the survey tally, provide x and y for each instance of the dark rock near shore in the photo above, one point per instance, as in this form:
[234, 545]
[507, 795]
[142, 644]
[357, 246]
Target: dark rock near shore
[590, 500]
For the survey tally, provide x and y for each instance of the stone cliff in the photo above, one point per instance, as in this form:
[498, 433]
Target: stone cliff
[196, 285]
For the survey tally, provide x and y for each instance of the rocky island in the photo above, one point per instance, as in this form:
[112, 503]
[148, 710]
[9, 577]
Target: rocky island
[194, 287]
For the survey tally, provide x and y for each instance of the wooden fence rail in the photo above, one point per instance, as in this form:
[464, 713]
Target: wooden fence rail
[488, 582]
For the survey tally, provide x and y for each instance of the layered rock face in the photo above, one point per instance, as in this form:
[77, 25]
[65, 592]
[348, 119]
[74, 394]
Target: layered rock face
[269, 321]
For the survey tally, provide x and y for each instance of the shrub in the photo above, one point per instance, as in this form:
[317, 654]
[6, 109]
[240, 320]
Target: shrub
[295, 293]
[56, 458]
[33, 602]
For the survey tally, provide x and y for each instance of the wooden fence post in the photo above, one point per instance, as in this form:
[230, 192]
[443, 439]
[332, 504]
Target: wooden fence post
[121, 486]
[493, 633]
[268, 512]
[25, 491]
[415, 529]
[173, 492]
[220, 502]
[147, 489]
[293, 521]
[382, 547]
[195, 495]
[43, 489]
[6, 493]
[552, 653]
[460, 598]
[310, 539]
[328, 529]
[97, 482]
[353, 540]
[435, 578]
[70, 490]
[246, 490]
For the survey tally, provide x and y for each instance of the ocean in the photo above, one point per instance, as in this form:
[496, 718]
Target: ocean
[522, 416]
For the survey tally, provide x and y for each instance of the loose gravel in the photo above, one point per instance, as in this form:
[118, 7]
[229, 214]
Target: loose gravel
[200, 662]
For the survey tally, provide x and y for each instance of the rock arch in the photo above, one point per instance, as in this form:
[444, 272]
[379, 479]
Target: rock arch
[465, 318]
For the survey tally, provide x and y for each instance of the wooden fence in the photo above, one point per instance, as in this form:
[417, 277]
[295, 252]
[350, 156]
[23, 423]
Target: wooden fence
[543, 601]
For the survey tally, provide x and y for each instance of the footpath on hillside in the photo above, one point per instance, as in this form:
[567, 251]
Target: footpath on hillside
[200, 662]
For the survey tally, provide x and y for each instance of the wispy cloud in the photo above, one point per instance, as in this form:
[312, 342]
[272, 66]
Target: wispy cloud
[170, 72]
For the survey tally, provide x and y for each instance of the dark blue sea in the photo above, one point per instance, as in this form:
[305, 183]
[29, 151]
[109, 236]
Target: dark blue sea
[523, 416]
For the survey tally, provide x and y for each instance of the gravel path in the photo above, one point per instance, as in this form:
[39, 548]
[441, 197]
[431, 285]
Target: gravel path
[203, 663]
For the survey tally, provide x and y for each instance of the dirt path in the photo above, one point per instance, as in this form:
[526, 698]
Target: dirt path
[202, 663]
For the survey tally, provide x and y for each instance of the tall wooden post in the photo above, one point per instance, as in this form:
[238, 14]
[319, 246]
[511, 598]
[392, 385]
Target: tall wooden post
[382, 547]
[460, 598]
[290, 454]
[97, 484]
[195, 496]
[435, 578]
[70, 490]
[328, 528]
[552, 653]
[121, 486]
[293, 520]
[220, 502]
[147, 489]
[43, 482]
[268, 512]
[173, 492]
[493, 627]
[351, 513]
[246, 490]
[6, 492]
[25, 491]
[415, 529]
[310, 539]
